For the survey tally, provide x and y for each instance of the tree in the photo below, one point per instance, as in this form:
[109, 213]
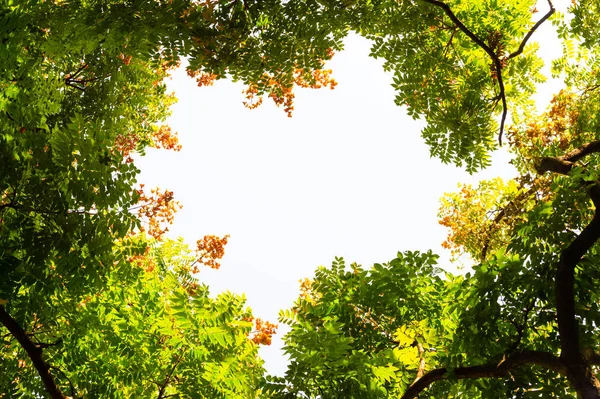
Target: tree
[151, 331]
[82, 90]
[523, 322]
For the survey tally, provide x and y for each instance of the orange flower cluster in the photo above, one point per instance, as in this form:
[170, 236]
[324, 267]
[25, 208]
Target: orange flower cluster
[191, 288]
[453, 217]
[555, 127]
[209, 250]
[125, 144]
[162, 137]
[253, 100]
[282, 94]
[318, 79]
[263, 332]
[156, 210]
[166, 139]
[125, 58]
[143, 260]
[202, 78]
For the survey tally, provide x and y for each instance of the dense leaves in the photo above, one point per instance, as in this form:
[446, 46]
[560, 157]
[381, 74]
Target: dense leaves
[151, 331]
[93, 304]
[523, 321]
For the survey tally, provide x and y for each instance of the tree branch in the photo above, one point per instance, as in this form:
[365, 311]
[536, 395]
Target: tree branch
[580, 374]
[531, 31]
[421, 369]
[73, 392]
[73, 85]
[564, 164]
[495, 60]
[582, 151]
[34, 353]
[565, 282]
[43, 345]
[161, 389]
[77, 72]
[516, 360]
[498, 64]
[462, 26]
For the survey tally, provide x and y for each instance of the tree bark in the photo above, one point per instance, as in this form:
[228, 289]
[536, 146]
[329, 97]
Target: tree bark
[34, 353]
[579, 372]
[516, 360]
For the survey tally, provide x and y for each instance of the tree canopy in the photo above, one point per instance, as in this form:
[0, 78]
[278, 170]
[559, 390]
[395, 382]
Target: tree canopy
[96, 302]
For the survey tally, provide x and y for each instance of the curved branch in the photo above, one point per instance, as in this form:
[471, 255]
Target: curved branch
[579, 373]
[582, 151]
[531, 31]
[498, 64]
[34, 353]
[564, 164]
[516, 360]
[495, 60]
[462, 26]
[565, 282]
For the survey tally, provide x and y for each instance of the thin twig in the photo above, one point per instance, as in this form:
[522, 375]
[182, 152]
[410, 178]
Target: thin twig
[73, 392]
[161, 390]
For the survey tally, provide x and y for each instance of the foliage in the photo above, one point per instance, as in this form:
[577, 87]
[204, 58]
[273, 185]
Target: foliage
[92, 307]
[360, 333]
[151, 330]
[522, 323]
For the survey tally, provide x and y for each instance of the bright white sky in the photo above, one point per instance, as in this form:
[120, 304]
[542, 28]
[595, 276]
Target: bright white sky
[347, 176]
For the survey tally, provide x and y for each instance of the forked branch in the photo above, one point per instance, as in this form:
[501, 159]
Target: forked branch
[496, 61]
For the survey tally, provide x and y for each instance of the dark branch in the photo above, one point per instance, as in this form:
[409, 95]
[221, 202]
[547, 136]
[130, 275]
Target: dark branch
[583, 151]
[495, 60]
[73, 85]
[565, 282]
[521, 328]
[564, 164]
[34, 353]
[462, 26]
[161, 389]
[531, 31]
[77, 72]
[516, 360]
[43, 345]
[579, 372]
[73, 392]
[8, 205]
